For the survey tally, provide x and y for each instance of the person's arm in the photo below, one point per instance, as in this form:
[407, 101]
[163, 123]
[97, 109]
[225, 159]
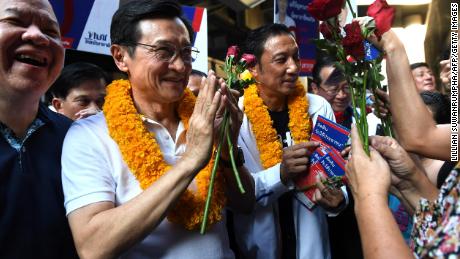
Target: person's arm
[407, 176]
[370, 179]
[414, 125]
[101, 230]
[237, 201]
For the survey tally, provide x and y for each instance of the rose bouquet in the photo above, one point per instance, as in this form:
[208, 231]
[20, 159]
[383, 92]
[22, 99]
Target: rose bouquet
[233, 69]
[356, 57]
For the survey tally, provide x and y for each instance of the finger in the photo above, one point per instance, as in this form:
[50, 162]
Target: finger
[211, 112]
[356, 145]
[317, 196]
[345, 151]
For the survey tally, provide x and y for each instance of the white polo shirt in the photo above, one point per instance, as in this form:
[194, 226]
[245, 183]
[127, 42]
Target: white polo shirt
[93, 171]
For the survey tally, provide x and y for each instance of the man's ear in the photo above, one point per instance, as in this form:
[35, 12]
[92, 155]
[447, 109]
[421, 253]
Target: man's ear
[314, 88]
[119, 55]
[57, 104]
[255, 71]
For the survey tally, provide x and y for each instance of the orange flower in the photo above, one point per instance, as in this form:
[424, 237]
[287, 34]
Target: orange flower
[143, 156]
[268, 144]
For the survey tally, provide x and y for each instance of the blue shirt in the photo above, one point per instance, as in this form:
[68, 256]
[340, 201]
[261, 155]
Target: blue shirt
[32, 216]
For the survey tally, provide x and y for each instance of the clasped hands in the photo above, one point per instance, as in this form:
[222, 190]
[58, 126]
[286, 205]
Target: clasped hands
[207, 117]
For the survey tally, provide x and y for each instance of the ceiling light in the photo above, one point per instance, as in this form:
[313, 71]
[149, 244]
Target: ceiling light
[251, 3]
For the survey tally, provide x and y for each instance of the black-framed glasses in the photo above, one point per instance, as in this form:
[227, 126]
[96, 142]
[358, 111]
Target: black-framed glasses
[168, 53]
[334, 90]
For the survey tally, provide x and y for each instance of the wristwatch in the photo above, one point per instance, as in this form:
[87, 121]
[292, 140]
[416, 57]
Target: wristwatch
[239, 159]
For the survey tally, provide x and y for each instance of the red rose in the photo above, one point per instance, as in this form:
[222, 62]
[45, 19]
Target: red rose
[233, 51]
[353, 42]
[383, 15]
[249, 59]
[325, 9]
[326, 30]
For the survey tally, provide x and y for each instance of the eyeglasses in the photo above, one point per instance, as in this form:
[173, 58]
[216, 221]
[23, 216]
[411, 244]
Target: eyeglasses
[169, 53]
[334, 90]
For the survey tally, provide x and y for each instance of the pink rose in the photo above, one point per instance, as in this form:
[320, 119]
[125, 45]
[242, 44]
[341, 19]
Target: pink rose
[249, 59]
[232, 51]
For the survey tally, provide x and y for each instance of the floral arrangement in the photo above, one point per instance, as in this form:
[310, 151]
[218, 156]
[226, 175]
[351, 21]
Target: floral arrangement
[352, 51]
[144, 158]
[233, 69]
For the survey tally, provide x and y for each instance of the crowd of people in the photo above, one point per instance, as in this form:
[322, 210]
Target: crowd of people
[95, 168]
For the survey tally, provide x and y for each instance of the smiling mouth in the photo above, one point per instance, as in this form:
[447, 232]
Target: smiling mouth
[31, 60]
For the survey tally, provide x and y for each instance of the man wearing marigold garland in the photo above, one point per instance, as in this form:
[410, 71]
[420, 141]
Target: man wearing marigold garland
[275, 137]
[126, 169]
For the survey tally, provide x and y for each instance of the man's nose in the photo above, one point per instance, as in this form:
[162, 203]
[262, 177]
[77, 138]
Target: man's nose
[35, 35]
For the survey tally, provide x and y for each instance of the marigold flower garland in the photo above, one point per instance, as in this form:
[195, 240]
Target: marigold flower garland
[268, 144]
[143, 156]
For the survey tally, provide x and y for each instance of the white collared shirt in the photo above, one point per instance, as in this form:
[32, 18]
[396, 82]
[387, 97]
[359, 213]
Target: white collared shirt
[93, 170]
[257, 234]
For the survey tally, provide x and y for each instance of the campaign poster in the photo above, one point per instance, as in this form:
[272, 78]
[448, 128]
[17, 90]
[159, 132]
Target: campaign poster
[294, 14]
[85, 26]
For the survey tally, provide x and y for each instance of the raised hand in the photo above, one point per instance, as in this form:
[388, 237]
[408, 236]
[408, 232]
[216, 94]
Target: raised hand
[200, 133]
[367, 176]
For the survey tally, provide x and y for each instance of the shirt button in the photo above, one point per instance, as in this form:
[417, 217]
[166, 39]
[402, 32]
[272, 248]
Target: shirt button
[23, 149]
[166, 137]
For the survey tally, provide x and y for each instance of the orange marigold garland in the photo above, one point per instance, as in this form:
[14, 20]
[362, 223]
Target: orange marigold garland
[143, 156]
[268, 144]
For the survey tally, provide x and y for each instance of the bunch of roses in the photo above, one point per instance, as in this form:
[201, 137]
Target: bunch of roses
[233, 69]
[351, 49]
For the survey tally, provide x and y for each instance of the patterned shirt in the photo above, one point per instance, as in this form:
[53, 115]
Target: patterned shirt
[436, 232]
[16, 142]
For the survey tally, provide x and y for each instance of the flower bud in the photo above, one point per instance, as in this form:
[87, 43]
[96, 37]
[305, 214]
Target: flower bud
[232, 51]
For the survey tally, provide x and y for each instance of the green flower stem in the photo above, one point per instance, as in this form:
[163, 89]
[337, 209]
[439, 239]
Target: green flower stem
[329, 182]
[232, 160]
[365, 133]
[213, 176]
[351, 9]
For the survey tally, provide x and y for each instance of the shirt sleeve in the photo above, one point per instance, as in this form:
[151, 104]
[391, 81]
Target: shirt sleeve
[86, 174]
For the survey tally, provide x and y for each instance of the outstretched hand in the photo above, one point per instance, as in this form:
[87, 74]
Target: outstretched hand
[367, 176]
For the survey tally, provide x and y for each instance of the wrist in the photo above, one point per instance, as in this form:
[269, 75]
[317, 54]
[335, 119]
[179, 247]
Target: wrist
[364, 202]
[238, 156]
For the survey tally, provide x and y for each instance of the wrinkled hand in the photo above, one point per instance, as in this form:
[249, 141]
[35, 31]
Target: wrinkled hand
[327, 197]
[401, 165]
[86, 112]
[367, 176]
[200, 130]
[383, 101]
[295, 160]
[445, 74]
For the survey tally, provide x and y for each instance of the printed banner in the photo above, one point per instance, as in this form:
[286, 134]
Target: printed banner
[293, 13]
[85, 26]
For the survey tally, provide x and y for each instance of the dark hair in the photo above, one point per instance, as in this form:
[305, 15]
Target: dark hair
[72, 76]
[439, 104]
[418, 64]
[124, 29]
[255, 42]
[326, 61]
[198, 73]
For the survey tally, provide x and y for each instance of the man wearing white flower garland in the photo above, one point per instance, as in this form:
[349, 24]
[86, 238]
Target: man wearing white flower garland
[276, 117]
